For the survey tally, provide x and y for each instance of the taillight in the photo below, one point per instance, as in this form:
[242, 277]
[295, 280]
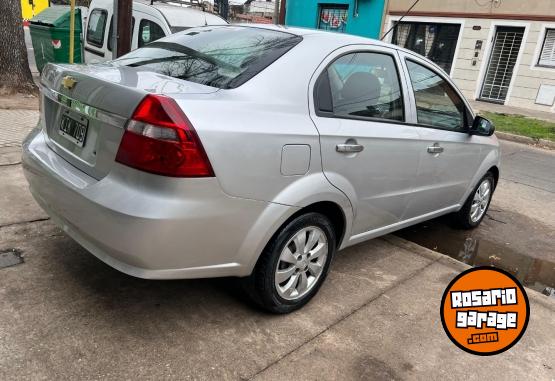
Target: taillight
[160, 139]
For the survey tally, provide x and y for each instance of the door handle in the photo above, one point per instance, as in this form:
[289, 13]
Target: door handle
[435, 149]
[349, 148]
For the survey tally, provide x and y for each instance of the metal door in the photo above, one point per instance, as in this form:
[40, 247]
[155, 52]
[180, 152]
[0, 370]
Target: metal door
[372, 160]
[501, 64]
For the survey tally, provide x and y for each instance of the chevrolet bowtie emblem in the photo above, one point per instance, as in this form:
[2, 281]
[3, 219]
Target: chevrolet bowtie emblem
[68, 82]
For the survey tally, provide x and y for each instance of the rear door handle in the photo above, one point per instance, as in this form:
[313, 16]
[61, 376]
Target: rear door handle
[435, 149]
[349, 148]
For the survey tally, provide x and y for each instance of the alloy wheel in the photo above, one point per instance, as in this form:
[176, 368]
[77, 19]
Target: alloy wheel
[301, 263]
[480, 201]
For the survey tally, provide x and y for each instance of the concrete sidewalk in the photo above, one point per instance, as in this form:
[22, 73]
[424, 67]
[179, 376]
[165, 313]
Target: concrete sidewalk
[66, 315]
[502, 109]
[15, 125]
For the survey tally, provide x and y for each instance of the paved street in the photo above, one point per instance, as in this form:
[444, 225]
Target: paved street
[66, 315]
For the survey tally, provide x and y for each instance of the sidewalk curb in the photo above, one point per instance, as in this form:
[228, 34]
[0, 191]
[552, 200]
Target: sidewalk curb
[525, 139]
[534, 295]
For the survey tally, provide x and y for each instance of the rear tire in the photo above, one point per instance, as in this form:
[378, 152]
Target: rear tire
[476, 206]
[293, 265]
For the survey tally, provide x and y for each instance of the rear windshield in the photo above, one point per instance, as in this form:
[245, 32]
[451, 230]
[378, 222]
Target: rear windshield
[224, 57]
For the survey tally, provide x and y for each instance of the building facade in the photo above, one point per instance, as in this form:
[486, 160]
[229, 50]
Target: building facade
[263, 8]
[500, 51]
[360, 17]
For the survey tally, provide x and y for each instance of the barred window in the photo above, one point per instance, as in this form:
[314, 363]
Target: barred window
[333, 18]
[547, 56]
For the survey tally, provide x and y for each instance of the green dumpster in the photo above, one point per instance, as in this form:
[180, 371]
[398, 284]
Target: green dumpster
[50, 36]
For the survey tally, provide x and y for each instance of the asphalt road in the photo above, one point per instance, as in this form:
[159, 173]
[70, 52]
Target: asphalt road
[528, 166]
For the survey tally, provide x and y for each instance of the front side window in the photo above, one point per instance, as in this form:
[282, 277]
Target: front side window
[366, 85]
[149, 31]
[547, 56]
[437, 103]
[221, 56]
[96, 26]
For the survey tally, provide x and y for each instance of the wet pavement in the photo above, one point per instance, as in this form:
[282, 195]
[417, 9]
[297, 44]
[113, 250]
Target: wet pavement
[481, 248]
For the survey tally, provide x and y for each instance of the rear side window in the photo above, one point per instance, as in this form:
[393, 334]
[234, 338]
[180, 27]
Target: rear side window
[365, 84]
[96, 27]
[437, 103]
[221, 56]
[149, 31]
[111, 31]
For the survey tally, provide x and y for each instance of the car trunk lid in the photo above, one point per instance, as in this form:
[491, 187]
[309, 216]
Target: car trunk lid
[85, 109]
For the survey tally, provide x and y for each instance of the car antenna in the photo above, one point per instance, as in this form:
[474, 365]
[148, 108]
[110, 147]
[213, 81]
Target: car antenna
[398, 21]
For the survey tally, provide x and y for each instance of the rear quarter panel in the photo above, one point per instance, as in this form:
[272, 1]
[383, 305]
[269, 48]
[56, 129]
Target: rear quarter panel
[244, 130]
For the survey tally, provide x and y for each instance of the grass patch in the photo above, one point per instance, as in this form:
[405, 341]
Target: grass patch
[520, 125]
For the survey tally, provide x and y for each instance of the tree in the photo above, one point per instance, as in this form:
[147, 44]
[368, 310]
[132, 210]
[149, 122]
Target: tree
[15, 74]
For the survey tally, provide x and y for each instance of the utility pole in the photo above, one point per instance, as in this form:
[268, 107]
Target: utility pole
[71, 30]
[276, 12]
[122, 24]
[282, 12]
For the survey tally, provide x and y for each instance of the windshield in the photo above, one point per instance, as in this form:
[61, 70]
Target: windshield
[223, 57]
[188, 18]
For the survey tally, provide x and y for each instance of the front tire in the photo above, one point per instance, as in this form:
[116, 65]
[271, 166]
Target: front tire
[293, 265]
[476, 206]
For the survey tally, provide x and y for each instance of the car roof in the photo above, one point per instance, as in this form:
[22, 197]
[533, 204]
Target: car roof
[339, 38]
[184, 16]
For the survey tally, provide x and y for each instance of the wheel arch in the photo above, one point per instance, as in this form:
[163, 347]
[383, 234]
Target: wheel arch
[333, 210]
[495, 172]
[489, 164]
[329, 209]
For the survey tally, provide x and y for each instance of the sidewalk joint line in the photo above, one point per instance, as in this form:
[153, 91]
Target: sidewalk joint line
[24, 222]
[349, 314]
[9, 164]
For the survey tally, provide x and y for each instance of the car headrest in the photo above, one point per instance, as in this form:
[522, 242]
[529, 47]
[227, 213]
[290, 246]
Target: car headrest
[361, 86]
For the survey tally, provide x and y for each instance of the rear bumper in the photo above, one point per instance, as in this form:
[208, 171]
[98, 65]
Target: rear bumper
[150, 226]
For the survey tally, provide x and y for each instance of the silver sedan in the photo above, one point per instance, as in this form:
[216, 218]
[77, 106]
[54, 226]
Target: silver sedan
[255, 152]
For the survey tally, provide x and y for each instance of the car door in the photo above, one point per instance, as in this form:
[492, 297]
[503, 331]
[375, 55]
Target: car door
[96, 35]
[449, 155]
[368, 150]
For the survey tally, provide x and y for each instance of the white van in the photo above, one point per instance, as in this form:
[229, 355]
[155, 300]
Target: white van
[150, 22]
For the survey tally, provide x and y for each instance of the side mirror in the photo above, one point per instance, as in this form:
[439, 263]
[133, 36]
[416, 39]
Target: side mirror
[482, 127]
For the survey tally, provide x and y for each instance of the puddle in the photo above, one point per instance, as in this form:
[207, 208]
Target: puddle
[471, 247]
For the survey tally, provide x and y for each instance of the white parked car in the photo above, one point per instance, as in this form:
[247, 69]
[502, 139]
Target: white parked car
[256, 152]
[150, 22]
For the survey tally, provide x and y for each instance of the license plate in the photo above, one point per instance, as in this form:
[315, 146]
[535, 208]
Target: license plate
[73, 130]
